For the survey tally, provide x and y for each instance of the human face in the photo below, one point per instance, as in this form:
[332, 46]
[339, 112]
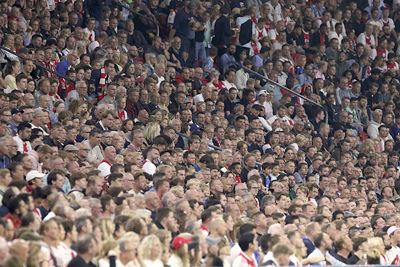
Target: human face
[53, 231]
[59, 183]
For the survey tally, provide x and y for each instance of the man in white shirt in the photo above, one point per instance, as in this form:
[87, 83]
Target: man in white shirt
[152, 155]
[109, 156]
[24, 131]
[393, 254]
[281, 113]
[323, 244]
[337, 33]
[248, 244]
[367, 38]
[206, 92]
[229, 81]
[89, 30]
[95, 151]
[159, 71]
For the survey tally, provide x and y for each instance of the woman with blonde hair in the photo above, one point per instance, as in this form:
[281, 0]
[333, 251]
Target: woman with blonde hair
[367, 147]
[150, 250]
[156, 116]
[376, 244]
[36, 257]
[164, 236]
[107, 228]
[109, 255]
[151, 130]
[180, 252]
[151, 60]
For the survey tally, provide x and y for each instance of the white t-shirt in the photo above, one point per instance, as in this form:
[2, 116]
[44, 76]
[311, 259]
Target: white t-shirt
[105, 168]
[149, 167]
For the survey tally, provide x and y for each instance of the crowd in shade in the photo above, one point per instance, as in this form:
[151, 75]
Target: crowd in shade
[177, 133]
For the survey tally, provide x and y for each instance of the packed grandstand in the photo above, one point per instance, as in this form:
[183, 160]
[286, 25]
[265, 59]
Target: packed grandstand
[235, 133]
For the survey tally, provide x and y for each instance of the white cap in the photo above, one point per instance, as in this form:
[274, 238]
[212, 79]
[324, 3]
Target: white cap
[34, 174]
[392, 229]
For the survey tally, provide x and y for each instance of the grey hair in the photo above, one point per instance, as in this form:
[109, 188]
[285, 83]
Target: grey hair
[190, 226]
[84, 243]
[166, 198]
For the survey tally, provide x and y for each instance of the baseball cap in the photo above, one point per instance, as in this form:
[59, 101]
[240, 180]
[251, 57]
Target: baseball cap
[15, 111]
[348, 214]
[307, 125]
[179, 241]
[263, 92]
[33, 174]
[392, 229]
[70, 148]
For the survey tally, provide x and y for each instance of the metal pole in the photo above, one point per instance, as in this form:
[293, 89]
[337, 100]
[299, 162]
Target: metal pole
[38, 65]
[277, 84]
[138, 14]
[212, 146]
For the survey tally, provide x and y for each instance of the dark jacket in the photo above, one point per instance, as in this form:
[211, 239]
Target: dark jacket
[79, 262]
[315, 39]
[223, 32]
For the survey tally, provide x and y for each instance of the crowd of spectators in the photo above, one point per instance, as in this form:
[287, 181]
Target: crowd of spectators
[171, 133]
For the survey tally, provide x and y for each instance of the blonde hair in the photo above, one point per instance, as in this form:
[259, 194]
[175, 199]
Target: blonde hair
[33, 254]
[367, 147]
[151, 130]
[107, 246]
[176, 190]
[376, 243]
[145, 246]
[191, 182]
[119, 158]
[162, 168]
[163, 235]
[107, 228]
[4, 172]
[182, 252]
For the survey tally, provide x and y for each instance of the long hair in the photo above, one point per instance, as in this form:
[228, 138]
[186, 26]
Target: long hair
[151, 130]
[183, 252]
[33, 256]
[107, 246]
[9, 67]
[106, 227]
[145, 247]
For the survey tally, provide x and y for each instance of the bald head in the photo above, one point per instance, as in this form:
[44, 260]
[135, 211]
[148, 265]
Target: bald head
[275, 229]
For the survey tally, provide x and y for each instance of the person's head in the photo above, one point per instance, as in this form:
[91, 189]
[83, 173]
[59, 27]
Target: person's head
[56, 178]
[128, 246]
[343, 243]
[86, 245]
[248, 242]
[24, 131]
[282, 253]
[150, 248]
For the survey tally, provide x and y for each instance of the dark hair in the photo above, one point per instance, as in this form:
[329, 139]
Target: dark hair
[23, 125]
[245, 240]
[52, 177]
[245, 228]
[162, 213]
[84, 243]
[105, 200]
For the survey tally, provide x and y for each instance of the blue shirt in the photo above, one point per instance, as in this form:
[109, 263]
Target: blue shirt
[227, 61]
[303, 78]
[62, 67]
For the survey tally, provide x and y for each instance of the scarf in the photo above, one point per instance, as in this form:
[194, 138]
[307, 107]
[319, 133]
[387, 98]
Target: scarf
[102, 81]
